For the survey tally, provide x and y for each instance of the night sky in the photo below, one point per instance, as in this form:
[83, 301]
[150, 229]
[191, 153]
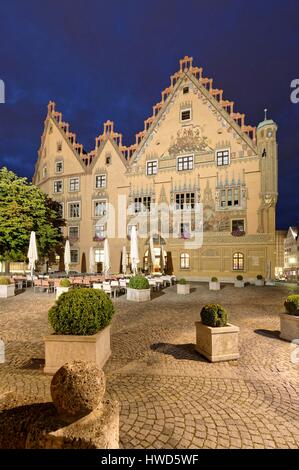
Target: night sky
[111, 59]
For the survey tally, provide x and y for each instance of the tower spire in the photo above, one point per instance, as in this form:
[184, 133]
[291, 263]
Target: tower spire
[265, 111]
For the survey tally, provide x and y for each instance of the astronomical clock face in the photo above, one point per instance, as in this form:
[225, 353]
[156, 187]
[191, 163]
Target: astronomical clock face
[269, 133]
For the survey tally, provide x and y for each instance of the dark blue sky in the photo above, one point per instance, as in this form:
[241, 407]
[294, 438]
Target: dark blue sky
[111, 59]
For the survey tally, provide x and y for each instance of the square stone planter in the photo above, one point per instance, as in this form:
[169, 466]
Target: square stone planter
[214, 285]
[7, 290]
[183, 289]
[259, 282]
[138, 295]
[239, 283]
[61, 290]
[60, 349]
[217, 343]
[289, 327]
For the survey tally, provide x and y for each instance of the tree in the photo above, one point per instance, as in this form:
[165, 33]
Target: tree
[23, 208]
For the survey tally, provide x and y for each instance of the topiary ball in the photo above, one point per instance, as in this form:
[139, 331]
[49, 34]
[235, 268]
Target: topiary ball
[4, 281]
[292, 304]
[259, 277]
[239, 277]
[65, 283]
[213, 315]
[138, 282]
[214, 279]
[77, 388]
[182, 281]
[81, 312]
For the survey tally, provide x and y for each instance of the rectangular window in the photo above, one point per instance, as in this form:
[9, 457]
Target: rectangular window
[152, 167]
[185, 90]
[142, 204]
[185, 163]
[59, 146]
[75, 256]
[101, 181]
[100, 208]
[222, 157]
[99, 231]
[59, 167]
[185, 230]
[58, 186]
[238, 226]
[74, 210]
[74, 184]
[185, 261]
[73, 232]
[185, 201]
[230, 197]
[186, 115]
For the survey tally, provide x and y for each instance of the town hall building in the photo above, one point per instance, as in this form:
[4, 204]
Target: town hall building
[195, 155]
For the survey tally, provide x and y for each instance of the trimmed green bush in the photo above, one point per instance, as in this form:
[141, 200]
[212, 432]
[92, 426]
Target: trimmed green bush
[259, 277]
[213, 315]
[239, 277]
[4, 281]
[81, 312]
[214, 279]
[292, 304]
[182, 281]
[138, 282]
[65, 283]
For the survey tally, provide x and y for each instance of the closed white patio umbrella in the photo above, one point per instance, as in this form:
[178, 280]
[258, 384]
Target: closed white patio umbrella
[91, 260]
[124, 260]
[67, 256]
[134, 250]
[32, 253]
[106, 261]
[152, 253]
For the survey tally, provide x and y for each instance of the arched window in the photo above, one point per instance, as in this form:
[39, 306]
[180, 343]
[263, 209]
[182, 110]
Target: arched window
[238, 262]
[185, 261]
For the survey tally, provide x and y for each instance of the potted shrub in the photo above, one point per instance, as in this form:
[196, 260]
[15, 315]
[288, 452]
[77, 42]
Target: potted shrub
[214, 284]
[239, 281]
[80, 319]
[7, 288]
[138, 289]
[289, 321]
[259, 280]
[64, 286]
[182, 287]
[216, 339]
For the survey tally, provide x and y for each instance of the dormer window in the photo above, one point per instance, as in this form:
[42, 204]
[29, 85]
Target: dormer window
[59, 146]
[185, 90]
[108, 160]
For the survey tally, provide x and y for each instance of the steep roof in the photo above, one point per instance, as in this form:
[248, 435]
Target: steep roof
[215, 95]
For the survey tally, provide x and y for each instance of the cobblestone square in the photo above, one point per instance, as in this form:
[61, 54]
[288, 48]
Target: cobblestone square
[170, 396]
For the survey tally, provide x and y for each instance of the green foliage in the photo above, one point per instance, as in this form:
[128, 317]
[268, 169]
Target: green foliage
[239, 277]
[81, 312]
[138, 282]
[214, 279]
[182, 281]
[65, 283]
[292, 304]
[259, 277]
[4, 281]
[213, 315]
[24, 207]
